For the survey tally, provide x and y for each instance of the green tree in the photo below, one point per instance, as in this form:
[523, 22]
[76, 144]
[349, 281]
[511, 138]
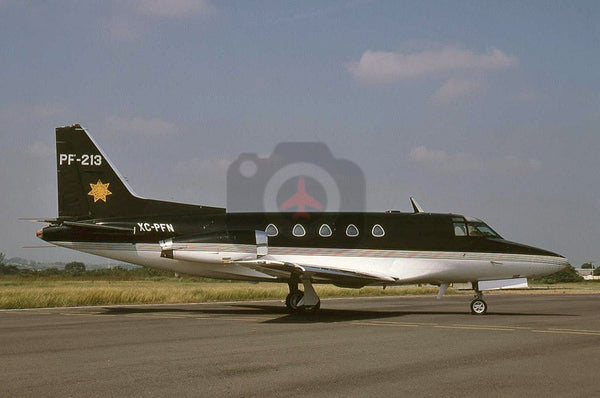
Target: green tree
[75, 267]
[7, 269]
[588, 265]
[568, 274]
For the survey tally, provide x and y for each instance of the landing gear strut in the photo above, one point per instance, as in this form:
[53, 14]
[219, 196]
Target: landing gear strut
[478, 305]
[302, 301]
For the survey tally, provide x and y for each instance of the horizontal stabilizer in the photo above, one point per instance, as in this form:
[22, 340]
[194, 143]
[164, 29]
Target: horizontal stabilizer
[46, 220]
[96, 226]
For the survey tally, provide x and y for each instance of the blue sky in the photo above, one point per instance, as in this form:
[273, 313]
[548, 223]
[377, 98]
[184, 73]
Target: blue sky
[490, 109]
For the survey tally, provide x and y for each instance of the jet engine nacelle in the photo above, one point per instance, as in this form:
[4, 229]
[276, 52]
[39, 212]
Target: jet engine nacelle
[217, 247]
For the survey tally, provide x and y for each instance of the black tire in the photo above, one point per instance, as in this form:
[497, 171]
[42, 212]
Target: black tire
[292, 300]
[478, 307]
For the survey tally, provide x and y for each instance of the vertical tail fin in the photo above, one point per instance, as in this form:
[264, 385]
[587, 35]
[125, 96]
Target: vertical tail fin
[89, 187]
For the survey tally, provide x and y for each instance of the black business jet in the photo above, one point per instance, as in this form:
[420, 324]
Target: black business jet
[98, 213]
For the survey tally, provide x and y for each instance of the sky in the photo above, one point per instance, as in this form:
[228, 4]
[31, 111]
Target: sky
[488, 109]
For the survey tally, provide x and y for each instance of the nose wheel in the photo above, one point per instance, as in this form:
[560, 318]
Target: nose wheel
[478, 305]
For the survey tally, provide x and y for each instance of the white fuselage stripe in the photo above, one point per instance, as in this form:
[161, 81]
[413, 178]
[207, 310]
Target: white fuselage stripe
[329, 252]
[213, 260]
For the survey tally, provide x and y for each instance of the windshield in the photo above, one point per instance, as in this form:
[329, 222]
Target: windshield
[473, 227]
[481, 229]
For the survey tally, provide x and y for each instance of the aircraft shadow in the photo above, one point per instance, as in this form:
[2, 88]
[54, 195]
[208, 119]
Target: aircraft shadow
[327, 315]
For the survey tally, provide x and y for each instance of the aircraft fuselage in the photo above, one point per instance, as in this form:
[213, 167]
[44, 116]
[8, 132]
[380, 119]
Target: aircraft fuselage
[98, 213]
[415, 247]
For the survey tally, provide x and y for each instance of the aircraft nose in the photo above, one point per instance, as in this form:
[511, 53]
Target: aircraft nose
[561, 264]
[565, 263]
[39, 233]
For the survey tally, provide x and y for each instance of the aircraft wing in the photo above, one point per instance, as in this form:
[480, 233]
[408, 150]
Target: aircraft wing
[326, 274]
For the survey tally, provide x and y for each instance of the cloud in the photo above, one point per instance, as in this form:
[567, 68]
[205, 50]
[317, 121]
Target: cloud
[151, 128]
[24, 113]
[201, 166]
[442, 162]
[40, 149]
[174, 9]
[527, 96]
[121, 28]
[380, 67]
[455, 89]
[131, 20]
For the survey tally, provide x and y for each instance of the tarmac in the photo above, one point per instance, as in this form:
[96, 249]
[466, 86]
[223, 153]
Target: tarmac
[527, 345]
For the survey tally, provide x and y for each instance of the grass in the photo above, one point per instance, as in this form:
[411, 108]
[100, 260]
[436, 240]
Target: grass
[16, 292]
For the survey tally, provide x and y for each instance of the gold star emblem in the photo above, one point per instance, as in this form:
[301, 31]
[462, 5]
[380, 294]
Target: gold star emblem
[99, 191]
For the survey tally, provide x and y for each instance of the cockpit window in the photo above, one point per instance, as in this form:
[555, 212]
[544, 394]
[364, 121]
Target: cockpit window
[481, 229]
[460, 229]
[472, 227]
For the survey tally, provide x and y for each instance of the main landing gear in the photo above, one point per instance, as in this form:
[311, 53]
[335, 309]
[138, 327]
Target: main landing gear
[302, 301]
[478, 305]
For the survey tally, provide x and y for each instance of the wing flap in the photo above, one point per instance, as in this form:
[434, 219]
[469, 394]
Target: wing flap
[324, 273]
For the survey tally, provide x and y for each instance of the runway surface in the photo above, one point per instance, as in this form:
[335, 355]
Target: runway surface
[534, 345]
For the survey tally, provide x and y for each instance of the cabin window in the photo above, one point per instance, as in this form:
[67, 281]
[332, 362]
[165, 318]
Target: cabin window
[298, 230]
[325, 231]
[271, 230]
[352, 231]
[378, 231]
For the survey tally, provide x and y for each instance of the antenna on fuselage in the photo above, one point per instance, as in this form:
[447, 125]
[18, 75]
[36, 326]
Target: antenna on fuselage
[416, 206]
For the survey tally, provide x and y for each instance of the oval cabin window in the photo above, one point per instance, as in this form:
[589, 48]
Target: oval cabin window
[352, 231]
[298, 230]
[271, 230]
[378, 231]
[325, 231]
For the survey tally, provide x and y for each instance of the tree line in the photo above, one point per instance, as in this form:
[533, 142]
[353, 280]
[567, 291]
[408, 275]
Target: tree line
[76, 268]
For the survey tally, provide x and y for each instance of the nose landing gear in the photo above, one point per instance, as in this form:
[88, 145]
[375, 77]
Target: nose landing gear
[478, 305]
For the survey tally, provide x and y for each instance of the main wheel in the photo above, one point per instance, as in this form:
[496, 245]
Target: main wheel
[478, 307]
[292, 300]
